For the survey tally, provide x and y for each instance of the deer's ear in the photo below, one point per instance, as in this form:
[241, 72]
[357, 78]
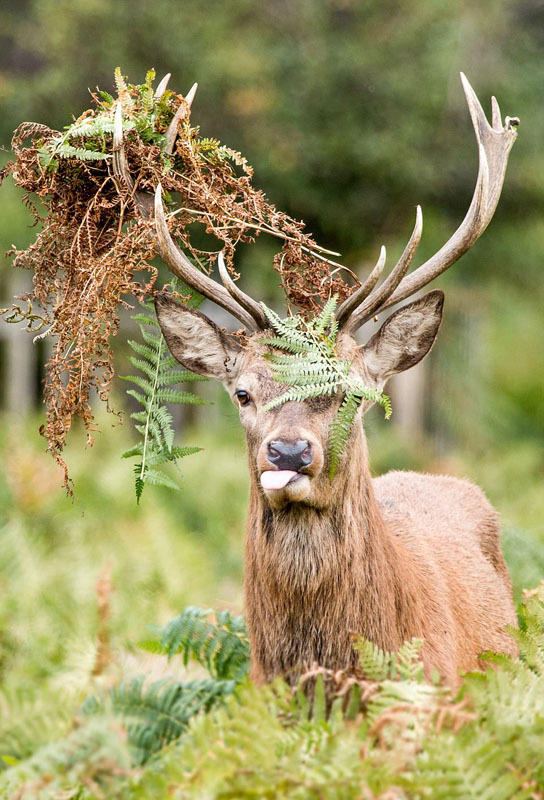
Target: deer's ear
[196, 341]
[404, 338]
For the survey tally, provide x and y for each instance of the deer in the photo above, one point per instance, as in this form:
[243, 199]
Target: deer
[390, 558]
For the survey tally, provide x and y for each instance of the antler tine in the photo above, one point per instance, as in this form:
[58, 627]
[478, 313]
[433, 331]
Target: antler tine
[161, 88]
[346, 308]
[241, 297]
[190, 96]
[179, 264]
[120, 166]
[181, 113]
[494, 144]
[368, 307]
[496, 119]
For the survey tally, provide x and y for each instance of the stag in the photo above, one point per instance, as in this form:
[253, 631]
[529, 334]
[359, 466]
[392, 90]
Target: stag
[400, 556]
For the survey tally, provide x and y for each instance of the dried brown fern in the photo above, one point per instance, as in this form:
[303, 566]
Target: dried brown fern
[88, 257]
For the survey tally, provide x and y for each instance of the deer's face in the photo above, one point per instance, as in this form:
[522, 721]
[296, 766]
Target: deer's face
[289, 445]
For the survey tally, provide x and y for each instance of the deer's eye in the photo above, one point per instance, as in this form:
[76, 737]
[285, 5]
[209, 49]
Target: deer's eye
[243, 397]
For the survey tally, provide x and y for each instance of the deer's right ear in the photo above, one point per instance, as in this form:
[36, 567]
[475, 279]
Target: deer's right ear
[404, 338]
[197, 342]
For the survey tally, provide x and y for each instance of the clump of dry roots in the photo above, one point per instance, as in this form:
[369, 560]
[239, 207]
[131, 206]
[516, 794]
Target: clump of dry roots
[94, 248]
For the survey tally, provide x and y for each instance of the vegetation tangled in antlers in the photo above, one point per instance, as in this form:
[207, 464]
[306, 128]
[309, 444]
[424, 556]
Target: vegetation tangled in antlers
[311, 368]
[94, 240]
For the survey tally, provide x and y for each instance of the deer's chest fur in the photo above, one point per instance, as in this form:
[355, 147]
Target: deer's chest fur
[314, 580]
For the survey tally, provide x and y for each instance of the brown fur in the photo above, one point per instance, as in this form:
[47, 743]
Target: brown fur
[402, 556]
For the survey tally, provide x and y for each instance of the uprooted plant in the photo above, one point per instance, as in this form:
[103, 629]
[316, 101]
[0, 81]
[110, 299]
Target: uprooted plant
[89, 187]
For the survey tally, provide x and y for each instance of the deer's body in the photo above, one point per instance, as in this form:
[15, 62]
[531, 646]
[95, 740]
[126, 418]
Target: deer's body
[405, 555]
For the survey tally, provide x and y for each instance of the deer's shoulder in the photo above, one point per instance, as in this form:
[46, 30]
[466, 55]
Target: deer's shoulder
[440, 507]
[433, 496]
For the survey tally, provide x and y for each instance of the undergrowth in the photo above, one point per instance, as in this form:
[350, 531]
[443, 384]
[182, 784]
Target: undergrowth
[381, 732]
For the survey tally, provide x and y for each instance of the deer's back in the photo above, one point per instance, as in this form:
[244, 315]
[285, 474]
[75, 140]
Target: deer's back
[452, 529]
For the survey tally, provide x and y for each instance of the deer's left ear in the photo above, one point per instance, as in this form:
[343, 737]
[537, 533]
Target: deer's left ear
[404, 338]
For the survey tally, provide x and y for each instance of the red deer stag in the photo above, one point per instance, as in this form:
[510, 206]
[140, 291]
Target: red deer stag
[401, 556]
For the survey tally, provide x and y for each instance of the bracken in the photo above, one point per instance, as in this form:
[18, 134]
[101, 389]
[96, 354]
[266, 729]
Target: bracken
[94, 243]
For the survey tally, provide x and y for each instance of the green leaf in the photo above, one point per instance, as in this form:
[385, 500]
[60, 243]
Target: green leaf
[310, 367]
[155, 389]
[157, 478]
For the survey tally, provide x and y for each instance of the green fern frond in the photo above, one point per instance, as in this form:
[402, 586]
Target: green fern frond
[146, 92]
[123, 91]
[340, 429]
[181, 398]
[374, 662]
[465, 766]
[409, 665]
[155, 388]
[94, 754]
[312, 368]
[378, 665]
[158, 714]
[90, 128]
[67, 151]
[220, 646]
[31, 720]
[325, 318]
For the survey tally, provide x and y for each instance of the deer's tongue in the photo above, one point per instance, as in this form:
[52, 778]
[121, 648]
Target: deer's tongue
[276, 479]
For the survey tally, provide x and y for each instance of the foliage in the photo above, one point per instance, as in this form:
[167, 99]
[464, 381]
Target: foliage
[92, 758]
[401, 738]
[379, 665]
[95, 237]
[318, 99]
[312, 368]
[157, 713]
[156, 388]
[387, 730]
[220, 646]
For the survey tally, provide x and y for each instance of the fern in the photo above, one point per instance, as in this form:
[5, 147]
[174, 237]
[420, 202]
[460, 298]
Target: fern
[313, 369]
[223, 738]
[160, 373]
[465, 766]
[29, 721]
[95, 128]
[220, 646]
[379, 665]
[159, 713]
[212, 151]
[92, 756]
[123, 91]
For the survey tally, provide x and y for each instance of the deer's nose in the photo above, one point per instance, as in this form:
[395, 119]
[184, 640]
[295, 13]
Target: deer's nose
[290, 455]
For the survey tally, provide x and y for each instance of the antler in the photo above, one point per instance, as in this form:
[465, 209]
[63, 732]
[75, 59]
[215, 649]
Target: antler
[231, 298]
[236, 302]
[494, 144]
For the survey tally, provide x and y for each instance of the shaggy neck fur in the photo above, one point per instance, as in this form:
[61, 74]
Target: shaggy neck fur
[315, 578]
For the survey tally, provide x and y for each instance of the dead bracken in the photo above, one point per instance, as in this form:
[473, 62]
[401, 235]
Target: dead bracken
[96, 237]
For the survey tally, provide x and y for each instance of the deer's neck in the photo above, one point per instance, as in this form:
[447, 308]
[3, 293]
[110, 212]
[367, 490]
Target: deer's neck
[316, 577]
